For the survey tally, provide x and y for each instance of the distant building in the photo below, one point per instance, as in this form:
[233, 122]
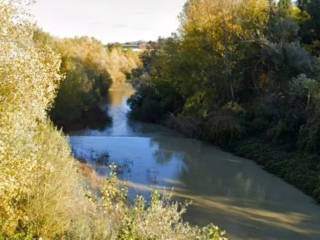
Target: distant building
[137, 46]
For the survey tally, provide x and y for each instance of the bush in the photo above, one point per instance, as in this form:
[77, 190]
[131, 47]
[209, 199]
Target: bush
[160, 220]
[222, 127]
[39, 186]
[148, 105]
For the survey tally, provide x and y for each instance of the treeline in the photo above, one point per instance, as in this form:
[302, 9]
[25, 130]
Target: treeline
[121, 62]
[89, 70]
[244, 75]
[43, 193]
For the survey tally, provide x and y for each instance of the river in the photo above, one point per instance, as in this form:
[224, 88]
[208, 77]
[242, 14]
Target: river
[231, 192]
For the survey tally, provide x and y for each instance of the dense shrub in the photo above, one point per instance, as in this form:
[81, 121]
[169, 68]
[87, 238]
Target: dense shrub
[151, 106]
[39, 185]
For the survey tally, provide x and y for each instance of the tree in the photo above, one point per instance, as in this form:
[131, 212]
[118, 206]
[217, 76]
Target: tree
[216, 26]
[310, 28]
[285, 6]
[36, 168]
[85, 87]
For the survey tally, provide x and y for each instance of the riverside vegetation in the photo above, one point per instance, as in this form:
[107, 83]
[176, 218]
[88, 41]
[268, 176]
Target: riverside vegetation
[90, 68]
[43, 194]
[243, 75]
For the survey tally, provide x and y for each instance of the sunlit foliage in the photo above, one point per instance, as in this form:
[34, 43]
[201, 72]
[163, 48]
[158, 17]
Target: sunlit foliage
[37, 175]
[120, 63]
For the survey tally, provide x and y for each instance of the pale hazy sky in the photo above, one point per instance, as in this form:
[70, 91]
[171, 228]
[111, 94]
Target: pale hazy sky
[109, 20]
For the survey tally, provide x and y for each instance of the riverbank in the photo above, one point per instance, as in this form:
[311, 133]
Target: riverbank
[300, 169]
[232, 192]
[297, 168]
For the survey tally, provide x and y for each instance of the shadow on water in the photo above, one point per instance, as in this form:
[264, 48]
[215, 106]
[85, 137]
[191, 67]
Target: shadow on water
[229, 191]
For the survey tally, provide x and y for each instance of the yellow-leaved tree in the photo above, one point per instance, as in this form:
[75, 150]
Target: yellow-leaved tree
[38, 180]
[225, 29]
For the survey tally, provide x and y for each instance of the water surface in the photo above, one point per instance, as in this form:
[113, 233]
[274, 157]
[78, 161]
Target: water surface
[232, 192]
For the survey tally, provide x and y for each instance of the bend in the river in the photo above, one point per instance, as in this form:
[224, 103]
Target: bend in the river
[232, 192]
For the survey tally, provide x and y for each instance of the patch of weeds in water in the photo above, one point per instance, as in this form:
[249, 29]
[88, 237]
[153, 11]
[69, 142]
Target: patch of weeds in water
[102, 163]
[90, 156]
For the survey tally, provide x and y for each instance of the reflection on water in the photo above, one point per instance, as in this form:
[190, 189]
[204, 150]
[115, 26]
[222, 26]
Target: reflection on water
[232, 192]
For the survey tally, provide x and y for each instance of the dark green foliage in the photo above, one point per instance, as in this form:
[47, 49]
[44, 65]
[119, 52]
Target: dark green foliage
[310, 29]
[80, 95]
[153, 107]
[299, 169]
